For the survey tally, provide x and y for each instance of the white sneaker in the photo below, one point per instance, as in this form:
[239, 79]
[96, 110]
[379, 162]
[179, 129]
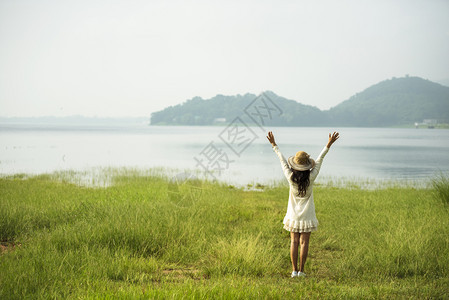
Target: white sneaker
[294, 274]
[301, 274]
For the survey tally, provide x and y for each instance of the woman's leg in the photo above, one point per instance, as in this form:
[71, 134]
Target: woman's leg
[304, 241]
[294, 249]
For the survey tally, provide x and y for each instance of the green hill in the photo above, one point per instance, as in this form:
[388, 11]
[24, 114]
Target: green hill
[397, 101]
[221, 109]
[394, 102]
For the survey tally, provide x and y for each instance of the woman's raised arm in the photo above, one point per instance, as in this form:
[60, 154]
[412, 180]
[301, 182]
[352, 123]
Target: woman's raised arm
[270, 138]
[332, 139]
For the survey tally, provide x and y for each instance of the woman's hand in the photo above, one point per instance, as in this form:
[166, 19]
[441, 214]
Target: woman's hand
[332, 138]
[270, 138]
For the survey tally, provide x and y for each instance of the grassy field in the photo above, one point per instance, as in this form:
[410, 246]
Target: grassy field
[145, 237]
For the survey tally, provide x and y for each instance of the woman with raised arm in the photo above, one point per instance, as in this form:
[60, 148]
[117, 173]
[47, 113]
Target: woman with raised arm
[300, 219]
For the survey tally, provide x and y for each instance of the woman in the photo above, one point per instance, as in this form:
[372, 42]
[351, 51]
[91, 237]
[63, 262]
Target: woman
[301, 172]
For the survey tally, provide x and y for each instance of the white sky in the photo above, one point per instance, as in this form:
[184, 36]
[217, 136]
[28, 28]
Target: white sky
[131, 58]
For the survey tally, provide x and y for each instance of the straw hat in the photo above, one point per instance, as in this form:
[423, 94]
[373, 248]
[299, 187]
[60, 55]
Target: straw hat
[301, 161]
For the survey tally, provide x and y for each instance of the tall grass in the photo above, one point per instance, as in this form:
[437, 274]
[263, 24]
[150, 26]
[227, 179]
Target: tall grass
[441, 187]
[152, 237]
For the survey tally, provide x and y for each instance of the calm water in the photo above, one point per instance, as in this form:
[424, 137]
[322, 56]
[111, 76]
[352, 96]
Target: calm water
[361, 153]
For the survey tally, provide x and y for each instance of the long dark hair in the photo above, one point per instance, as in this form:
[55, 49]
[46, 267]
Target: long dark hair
[301, 178]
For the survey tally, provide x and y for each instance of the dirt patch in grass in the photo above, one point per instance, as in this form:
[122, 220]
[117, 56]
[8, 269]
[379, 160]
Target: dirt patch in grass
[7, 246]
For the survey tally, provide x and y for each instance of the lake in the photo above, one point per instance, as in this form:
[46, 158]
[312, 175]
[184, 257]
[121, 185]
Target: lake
[237, 155]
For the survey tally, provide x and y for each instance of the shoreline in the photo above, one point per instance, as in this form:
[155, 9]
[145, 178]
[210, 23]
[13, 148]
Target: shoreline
[141, 122]
[103, 177]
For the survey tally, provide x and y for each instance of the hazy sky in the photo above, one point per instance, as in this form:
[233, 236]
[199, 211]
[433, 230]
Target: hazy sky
[131, 58]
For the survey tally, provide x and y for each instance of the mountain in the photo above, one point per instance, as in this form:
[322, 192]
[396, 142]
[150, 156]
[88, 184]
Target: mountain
[393, 102]
[220, 109]
[397, 101]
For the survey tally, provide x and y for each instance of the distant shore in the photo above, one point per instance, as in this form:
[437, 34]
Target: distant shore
[144, 121]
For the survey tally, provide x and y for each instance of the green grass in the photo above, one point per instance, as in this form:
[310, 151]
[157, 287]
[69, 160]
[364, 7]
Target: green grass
[441, 188]
[142, 236]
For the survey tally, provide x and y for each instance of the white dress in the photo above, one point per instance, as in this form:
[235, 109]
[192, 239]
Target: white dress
[300, 216]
